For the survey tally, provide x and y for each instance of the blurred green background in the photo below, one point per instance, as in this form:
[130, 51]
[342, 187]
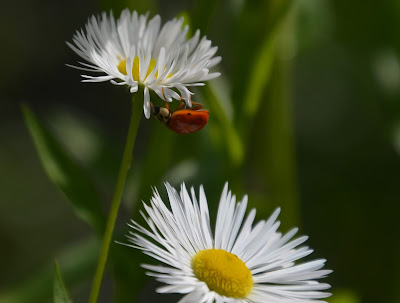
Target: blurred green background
[305, 116]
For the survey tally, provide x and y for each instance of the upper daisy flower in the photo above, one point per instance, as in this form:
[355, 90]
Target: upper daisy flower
[135, 51]
[240, 263]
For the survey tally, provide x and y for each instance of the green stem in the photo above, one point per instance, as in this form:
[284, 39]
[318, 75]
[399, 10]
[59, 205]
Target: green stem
[279, 139]
[274, 161]
[116, 201]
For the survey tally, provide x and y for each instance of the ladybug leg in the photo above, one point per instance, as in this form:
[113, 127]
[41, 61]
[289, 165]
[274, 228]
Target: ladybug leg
[181, 105]
[152, 108]
[196, 105]
[165, 99]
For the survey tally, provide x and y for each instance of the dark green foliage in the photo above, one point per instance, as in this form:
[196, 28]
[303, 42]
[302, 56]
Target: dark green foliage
[65, 173]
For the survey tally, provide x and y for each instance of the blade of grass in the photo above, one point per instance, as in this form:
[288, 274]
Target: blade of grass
[231, 137]
[77, 265]
[273, 160]
[250, 27]
[270, 141]
[279, 145]
[65, 173]
[261, 69]
[60, 292]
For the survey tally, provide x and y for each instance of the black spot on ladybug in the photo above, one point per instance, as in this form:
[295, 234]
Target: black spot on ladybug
[189, 114]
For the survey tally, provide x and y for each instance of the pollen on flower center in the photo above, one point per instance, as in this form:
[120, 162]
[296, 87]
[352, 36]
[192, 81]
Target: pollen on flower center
[223, 272]
[135, 67]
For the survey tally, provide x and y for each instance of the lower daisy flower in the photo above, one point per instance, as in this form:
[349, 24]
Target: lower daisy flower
[240, 263]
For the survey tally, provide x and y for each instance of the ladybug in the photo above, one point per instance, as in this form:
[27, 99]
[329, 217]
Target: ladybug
[183, 120]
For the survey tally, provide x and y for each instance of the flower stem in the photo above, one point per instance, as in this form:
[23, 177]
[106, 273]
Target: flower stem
[116, 201]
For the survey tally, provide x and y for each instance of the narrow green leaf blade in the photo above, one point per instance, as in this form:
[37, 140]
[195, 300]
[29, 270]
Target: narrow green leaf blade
[78, 263]
[231, 137]
[274, 161]
[262, 67]
[60, 292]
[65, 173]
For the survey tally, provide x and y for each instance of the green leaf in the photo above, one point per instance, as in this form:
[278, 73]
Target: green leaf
[262, 67]
[260, 76]
[60, 292]
[233, 143]
[274, 161]
[65, 173]
[78, 262]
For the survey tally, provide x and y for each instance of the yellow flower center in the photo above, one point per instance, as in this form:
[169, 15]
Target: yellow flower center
[135, 68]
[223, 272]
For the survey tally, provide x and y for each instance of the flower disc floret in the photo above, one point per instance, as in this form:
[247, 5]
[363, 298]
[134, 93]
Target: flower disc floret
[223, 272]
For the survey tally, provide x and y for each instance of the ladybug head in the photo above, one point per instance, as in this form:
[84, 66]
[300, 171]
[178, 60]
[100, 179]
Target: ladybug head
[161, 113]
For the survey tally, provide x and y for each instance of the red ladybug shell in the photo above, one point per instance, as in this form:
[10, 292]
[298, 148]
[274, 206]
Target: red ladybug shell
[188, 121]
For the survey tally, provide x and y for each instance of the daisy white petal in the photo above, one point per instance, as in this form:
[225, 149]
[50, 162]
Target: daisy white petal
[135, 51]
[242, 263]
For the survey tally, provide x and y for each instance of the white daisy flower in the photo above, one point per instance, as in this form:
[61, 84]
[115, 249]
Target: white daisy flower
[134, 51]
[240, 263]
